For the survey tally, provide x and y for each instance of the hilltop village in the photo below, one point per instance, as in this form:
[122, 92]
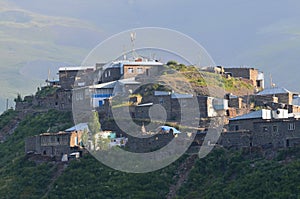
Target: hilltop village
[253, 115]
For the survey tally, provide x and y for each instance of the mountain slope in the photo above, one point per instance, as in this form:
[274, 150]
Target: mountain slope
[221, 174]
[27, 38]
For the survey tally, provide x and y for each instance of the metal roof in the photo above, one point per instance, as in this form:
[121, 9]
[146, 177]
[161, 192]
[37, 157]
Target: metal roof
[78, 127]
[104, 85]
[162, 93]
[76, 68]
[146, 104]
[128, 81]
[273, 91]
[168, 128]
[181, 96]
[252, 115]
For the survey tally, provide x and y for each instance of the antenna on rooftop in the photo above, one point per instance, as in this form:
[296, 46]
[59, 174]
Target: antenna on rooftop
[6, 104]
[199, 63]
[271, 81]
[132, 37]
[124, 52]
[49, 73]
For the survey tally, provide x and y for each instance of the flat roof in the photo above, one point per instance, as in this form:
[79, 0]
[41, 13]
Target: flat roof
[251, 115]
[104, 85]
[76, 68]
[129, 81]
[78, 127]
[273, 90]
[146, 104]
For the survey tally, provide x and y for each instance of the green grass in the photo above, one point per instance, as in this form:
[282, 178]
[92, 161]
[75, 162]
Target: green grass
[230, 174]
[6, 117]
[203, 79]
[221, 174]
[32, 125]
[88, 178]
[20, 177]
[45, 91]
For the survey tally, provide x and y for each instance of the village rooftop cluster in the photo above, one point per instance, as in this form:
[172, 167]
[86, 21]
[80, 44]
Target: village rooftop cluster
[265, 118]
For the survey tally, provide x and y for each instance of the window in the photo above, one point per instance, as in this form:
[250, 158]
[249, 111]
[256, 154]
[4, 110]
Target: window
[79, 96]
[236, 127]
[275, 128]
[139, 70]
[291, 126]
[161, 101]
[258, 83]
[109, 73]
[130, 70]
[287, 143]
[265, 129]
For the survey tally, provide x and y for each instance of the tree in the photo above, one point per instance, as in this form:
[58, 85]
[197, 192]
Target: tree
[94, 126]
[19, 98]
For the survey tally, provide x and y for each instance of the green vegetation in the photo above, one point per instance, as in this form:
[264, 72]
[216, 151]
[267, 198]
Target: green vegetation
[6, 117]
[233, 174]
[32, 125]
[45, 91]
[222, 174]
[203, 79]
[18, 98]
[88, 178]
[20, 177]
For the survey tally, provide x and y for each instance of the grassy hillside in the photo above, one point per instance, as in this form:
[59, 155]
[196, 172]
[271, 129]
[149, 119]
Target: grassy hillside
[27, 37]
[206, 83]
[20, 177]
[229, 174]
[222, 174]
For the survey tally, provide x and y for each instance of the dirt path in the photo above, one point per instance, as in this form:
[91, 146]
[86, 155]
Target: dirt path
[59, 170]
[183, 173]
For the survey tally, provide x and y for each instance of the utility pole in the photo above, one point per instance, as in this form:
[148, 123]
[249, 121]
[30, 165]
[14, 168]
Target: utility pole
[6, 104]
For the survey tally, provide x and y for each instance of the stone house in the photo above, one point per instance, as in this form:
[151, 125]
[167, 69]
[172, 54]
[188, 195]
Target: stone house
[277, 133]
[70, 77]
[125, 69]
[256, 76]
[56, 144]
[59, 99]
[175, 105]
[94, 96]
[275, 95]
[263, 128]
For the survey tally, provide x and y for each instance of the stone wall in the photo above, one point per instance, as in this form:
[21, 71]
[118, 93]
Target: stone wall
[110, 74]
[142, 145]
[240, 125]
[236, 102]
[235, 139]
[247, 73]
[284, 98]
[275, 133]
[69, 79]
[60, 100]
[53, 144]
[32, 144]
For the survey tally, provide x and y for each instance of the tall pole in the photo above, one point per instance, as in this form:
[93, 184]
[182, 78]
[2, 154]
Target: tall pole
[7, 104]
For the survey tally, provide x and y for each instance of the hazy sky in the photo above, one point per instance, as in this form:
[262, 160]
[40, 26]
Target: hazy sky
[263, 34]
[234, 32]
